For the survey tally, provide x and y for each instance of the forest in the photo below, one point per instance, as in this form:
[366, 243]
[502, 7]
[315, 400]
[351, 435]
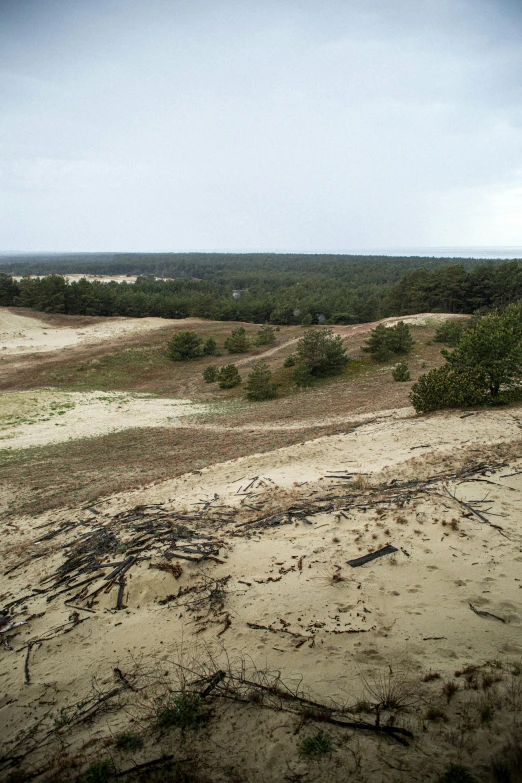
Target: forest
[259, 288]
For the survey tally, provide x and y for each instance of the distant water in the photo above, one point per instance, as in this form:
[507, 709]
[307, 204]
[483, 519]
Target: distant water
[443, 252]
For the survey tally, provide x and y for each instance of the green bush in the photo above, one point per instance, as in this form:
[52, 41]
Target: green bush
[401, 372]
[210, 347]
[307, 320]
[265, 335]
[450, 332]
[183, 346]
[228, 377]
[321, 353]
[290, 361]
[385, 341]
[446, 388]
[258, 384]
[210, 374]
[238, 341]
[180, 709]
[493, 349]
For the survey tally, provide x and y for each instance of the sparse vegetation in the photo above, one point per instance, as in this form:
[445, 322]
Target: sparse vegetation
[210, 374]
[266, 335]
[385, 341]
[100, 771]
[182, 709]
[238, 341]
[455, 773]
[313, 748]
[128, 740]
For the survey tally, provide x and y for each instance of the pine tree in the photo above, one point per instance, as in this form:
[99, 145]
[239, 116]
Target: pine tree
[183, 346]
[238, 341]
[210, 347]
[401, 372]
[210, 374]
[378, 344]
[265, 335]
[400, 339]
[229, 377]
[258, 384]
[322, 352]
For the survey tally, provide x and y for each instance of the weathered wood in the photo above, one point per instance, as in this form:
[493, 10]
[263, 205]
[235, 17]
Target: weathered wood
[385, 550]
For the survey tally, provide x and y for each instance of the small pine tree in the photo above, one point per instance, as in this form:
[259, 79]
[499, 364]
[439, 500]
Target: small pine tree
[401, 372]
[259, 383]
[210, 374]
[229, 377]
[450, 332]
[238, 341]
[210, 347]
[307, 320]
[302, 376]
[290, 361]
[447, 388]
[321, 352]
[266, 335]
[183, 346]
[378, 344]
[400, 339]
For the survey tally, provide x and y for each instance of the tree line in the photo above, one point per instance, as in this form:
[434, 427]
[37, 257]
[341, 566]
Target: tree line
[292, 290]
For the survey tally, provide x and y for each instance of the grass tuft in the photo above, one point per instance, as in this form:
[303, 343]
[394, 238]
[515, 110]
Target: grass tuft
[312, 748]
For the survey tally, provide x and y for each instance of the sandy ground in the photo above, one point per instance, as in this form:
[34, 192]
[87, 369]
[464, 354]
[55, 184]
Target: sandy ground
[426, 639]
[90, 278]
[22, 335]
[291, 601]
[38, 418]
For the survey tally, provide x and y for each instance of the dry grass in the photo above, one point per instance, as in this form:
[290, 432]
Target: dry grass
[35, 479]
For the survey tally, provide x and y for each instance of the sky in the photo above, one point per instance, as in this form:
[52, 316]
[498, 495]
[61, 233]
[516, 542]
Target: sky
[271, 125]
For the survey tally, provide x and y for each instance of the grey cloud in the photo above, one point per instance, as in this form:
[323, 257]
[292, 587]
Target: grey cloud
[286, 126]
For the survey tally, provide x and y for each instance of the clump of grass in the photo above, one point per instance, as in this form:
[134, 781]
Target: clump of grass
[486, 711]
[99, 771]
[430, 676]
[434, 713]
[128, 740]
[455, 773]
[312, 748]
[179, 709]
[449, 689]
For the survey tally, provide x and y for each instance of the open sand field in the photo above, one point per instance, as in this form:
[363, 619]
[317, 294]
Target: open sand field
[213, 624]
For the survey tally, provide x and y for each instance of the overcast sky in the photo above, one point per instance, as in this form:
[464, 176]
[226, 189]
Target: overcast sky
[291, 125]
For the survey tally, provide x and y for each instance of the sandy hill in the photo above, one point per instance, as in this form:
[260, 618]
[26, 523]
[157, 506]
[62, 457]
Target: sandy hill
[343, 606]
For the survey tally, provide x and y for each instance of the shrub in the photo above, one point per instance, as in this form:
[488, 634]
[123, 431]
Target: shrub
[210, 374]
[314, 747]
[493, 349]
[450, 332]
[180, 709]
[384, 341]
[307, 320]
[100, 771]
[127, 740]
[258, 384]
[322, 352]
[446, 388]
[228, 377]
[302, 376]
[210, 347]
[290, 361]
[183, 346]
[401, 372]
[238, 341]
[400, 338]
[266, 335]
